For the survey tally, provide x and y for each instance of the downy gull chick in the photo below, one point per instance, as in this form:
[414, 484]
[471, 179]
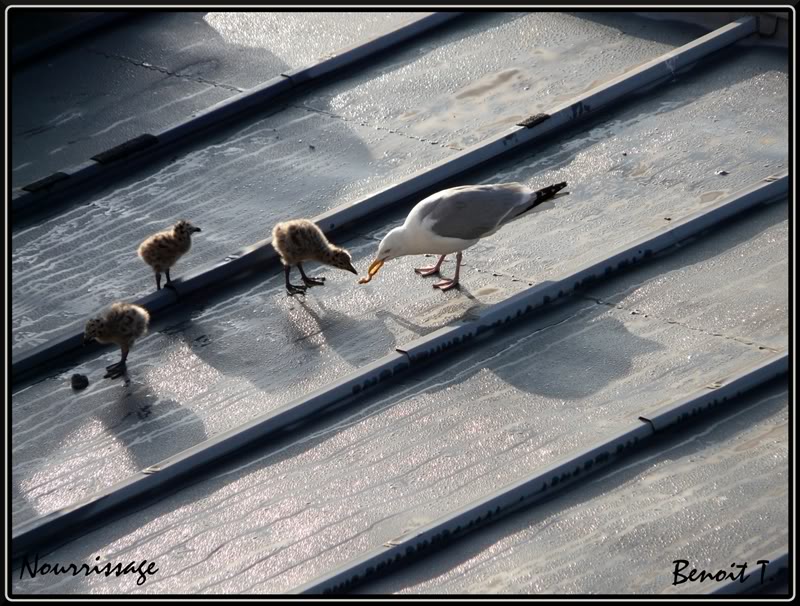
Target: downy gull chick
[301, 240]
[160, 251]
[452, 220]
[122, 324]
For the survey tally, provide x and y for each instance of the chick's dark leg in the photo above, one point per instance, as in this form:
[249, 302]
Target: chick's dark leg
[118, 369]
[310, 281]
[168, 278]
[158, 280]
[432, 270]
[122, 360]
[291, 288]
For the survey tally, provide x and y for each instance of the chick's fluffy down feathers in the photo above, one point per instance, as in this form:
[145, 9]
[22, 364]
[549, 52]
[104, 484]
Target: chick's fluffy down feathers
[122, 324]
[300, 240]
[160, 251]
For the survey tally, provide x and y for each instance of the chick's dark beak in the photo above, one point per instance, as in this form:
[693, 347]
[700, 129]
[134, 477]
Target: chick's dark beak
[197, 229]
[351, 268]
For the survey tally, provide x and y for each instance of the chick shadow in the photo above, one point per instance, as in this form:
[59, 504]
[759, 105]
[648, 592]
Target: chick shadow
[720, 428]
[302, 332]
[140, 414]
[361, 339]
[128, 413]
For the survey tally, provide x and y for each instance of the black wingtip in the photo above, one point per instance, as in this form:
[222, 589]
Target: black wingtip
[551, 190]
[546, 193]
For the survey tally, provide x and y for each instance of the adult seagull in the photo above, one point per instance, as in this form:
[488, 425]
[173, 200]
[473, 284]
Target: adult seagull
[452, 220]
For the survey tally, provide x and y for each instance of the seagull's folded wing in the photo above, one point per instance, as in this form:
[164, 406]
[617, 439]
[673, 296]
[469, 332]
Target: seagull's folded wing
[474, 211]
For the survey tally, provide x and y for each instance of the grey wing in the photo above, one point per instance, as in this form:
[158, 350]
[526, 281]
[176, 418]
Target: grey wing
[473, 211]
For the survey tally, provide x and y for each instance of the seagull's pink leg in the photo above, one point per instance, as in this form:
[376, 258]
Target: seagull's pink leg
[448, 284]
[433, 269]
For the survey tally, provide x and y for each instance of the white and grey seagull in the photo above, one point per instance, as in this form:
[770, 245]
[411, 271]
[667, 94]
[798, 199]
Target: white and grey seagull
[452, 220]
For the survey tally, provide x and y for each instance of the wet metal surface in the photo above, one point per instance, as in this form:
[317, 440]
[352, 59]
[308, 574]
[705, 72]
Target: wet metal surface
[715, 496]
[439, 439]
[267, 169]
[156, 70]
[235, 191]
[252, 349]
[475, 81]
[620, 161]
[436, 441]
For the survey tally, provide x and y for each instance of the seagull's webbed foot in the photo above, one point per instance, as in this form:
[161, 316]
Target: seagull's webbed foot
[431, 270]
[446, 284]
[427, 271]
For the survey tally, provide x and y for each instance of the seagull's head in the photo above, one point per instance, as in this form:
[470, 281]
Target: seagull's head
[393, 245]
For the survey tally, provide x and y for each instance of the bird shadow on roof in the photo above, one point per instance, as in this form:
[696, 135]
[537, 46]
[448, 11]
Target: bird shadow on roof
[122, 415]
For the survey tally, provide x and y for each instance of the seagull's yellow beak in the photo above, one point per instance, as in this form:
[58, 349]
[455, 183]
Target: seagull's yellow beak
[373, 269]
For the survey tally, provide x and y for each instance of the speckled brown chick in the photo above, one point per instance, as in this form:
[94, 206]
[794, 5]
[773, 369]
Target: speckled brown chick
[301, 240]
[160, 251]
[122, 324]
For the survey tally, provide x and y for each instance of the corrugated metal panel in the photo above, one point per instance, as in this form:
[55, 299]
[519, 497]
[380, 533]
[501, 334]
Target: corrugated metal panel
[298, 508]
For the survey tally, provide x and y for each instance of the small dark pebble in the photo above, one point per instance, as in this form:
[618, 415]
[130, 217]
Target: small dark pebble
[667, 218]
[80, 381]
[624, 153]
[723, 172]
[312, 147]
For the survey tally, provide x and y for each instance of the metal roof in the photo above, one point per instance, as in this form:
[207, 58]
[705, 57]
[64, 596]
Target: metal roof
[409, 451]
